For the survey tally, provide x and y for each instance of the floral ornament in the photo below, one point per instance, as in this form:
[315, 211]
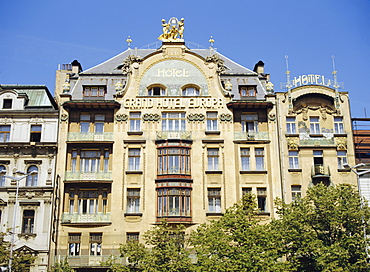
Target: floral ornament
[226, 117]
[151, 117]
[121, 117]
[192, 117]
[63, 117]
[272, 116]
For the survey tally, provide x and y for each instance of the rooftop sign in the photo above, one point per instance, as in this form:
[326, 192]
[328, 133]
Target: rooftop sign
[311, 79]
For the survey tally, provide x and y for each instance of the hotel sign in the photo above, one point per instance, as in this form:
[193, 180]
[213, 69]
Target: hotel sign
[311, 79]
[173, 103]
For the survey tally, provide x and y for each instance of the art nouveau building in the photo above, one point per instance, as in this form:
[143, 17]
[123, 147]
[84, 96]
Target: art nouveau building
[181, 134]
[28, 142]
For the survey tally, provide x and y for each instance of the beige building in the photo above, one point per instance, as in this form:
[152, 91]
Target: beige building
[179, 134]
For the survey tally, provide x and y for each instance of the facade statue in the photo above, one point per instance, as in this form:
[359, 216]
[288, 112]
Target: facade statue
[173, 31]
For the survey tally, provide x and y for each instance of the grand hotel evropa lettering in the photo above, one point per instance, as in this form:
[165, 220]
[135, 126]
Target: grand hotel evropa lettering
[173, 103]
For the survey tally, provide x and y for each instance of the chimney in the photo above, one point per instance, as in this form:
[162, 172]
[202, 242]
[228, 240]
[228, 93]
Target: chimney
[76, 67]
[259, 68]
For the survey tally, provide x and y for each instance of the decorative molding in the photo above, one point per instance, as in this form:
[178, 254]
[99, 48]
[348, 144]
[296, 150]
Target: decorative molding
[292, 144]
[220, 66]
[121, 117]
[226, 117]
[154, 117]
[341, 143]
[193, 117]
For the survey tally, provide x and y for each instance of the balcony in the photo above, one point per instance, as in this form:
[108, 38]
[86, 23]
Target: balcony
[88, 260]
[252, 136]
[95, 218]
[88, 176]
[181, 135]
[320, 170]
[90, 136]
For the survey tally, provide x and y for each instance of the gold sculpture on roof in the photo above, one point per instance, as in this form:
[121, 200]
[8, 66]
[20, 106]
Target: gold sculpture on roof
[173, 30]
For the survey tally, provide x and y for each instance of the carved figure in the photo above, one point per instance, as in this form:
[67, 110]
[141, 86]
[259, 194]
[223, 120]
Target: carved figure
[181, 28]
[221, 68]
[172, 30]
[228, 86]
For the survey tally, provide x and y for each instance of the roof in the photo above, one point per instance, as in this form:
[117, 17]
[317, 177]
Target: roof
[108, 67]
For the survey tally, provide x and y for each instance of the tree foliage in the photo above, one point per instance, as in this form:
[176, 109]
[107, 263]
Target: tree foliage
[62, 266]
[325, 231]
[167, 250]
[114, 266]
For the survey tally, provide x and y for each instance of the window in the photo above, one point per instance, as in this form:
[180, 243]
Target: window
[261, 199]
[246, 190]
[173, 121]
[32, 179]
[342, 158]
[135, 118]
[173, 199]
[7, 103]
[94, 91]
[244, 156]
[259, 154]
[87, 200]
[28, 221]
[290, 125]
[296, 192]
[4, 133]
[318, 158]
[2, 178]
[156, 91]
[99, 123]
[74, 244]
[132, 237]
[211, 121]
[338, 125]
[213, 158]
[214, 200]
[250, 123]
[95, 243]
[35, 133]
[190, 91]
[134, 159]
[248, 91]
[293, 160]
[314, 125]
[84, 123]
[133, 200]
[90, 161]
[174, 158]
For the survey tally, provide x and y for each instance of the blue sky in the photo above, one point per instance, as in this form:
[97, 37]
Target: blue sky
[38, 35]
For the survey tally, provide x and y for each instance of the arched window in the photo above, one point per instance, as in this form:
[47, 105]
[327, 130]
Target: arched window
[157, 90]
[190, 90]
[32, 179]
[2, 178]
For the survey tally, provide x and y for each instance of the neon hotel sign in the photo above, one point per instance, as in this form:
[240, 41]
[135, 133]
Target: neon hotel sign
[311, 80]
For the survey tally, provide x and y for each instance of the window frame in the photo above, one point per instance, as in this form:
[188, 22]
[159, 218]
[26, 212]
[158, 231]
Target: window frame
[338, 125]
[2, 177]
[95, 243]
[248, 91]
[296, 191]
[293, 159]
[249, 122]
[213, 159]
[78, 203]
[135, 121]
[5, 134]
[134, 155]
[174, 158]
[214, 200]
[260, 158]
[31, 180]
[342, 158]
[28, 222]
[170, 121]
[212, 121]
[262, 199]
[74, 245]
[315, 128]
[89, 92]
[156, 90]
[245, 158]
[291, 127]
[35, 134]
[133, 200]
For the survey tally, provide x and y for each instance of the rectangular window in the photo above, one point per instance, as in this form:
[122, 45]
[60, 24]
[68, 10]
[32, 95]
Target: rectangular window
[74, 244]
[342, 158]
[132, 237]
[94, 91]
[260, 158]
[245, 156]
[212, 121]
[213, 159]
[4, 133]
[248, 91]
[7, 103]
[173, 201]
[261, 199]
[88, 202]
[90, 161]
[133, 201]
[290, 125]
[28, 221]
[338, 125]
[35, 135]
[135, 119]
[84, 123]
[293, 160]
[250, 123]
[214, 200]
[99, 123]
[134, 159]
[174, 160]
[246, 190]
[296, 192]
[95, 243]
[314, 125]
[173, 121]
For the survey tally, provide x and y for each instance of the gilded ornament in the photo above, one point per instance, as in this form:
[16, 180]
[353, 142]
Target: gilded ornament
[173, 30]
[341, 143]
[292, 144]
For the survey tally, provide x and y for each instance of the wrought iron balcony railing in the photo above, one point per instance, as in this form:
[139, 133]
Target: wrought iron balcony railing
[252, 136]
[104, 176]
[320, 170]
[86, 218]
[90, 136]
[182, 135]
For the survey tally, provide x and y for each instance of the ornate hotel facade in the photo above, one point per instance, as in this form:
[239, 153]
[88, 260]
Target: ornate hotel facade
[180, 134]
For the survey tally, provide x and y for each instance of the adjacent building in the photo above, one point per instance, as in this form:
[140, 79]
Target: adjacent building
[28, 144]
[180, 134]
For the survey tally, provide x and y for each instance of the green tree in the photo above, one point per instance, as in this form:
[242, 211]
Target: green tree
[62, 266]
[113, 265]
[324, 231]
[238, 242]
[167, 250]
